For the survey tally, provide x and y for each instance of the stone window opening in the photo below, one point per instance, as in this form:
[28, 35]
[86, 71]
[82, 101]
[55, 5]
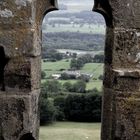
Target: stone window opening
[107, 17]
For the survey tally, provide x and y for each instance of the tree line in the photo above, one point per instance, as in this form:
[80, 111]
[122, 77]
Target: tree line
[57, 104]
[53, 55]
[74, 41]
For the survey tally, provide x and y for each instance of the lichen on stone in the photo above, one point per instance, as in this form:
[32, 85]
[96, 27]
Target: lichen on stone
[6, 13]
[22, 2]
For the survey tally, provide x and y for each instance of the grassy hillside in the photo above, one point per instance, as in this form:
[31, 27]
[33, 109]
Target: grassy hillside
[55, 67]
[70, 131]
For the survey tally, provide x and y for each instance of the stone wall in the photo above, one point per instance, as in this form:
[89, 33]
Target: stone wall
[20, 46]
[121, 100]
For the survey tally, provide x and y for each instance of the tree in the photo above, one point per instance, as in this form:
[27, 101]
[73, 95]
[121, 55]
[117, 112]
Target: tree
[87, 58]
[68, 86]
[76, 64]
[79, 86]
[51, 54]
[65, 76]
[84, 78]
[59, 103]
[73, 63]
[52, 86]
[98, 58]
[83, 107]
[43, 74]
[74, 55]
[47, 111]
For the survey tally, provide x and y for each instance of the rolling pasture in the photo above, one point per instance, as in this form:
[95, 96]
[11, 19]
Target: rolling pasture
[70, 131]
[93, 68]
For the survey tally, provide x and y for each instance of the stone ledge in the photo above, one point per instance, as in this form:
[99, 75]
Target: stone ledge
[134, 73]
[122, 94]
[20, 94]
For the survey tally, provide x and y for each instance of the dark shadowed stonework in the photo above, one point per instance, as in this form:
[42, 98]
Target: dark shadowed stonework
[20, 60]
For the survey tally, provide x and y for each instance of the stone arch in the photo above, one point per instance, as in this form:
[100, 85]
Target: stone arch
[103, 7]
[44, 7]
[27, 136]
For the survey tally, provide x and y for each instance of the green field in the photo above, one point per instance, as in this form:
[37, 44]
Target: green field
[70, 131]
[95, 84]
[93, 29]
[54, 67]
[93, 68]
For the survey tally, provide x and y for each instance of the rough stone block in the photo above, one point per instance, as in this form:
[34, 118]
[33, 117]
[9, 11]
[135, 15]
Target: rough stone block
[127, 117]
[126, 13]
[22, 74]
[19, 115]
[122, 79]
[20, 43]
[126, 50]
[16, 14]
[126, 80]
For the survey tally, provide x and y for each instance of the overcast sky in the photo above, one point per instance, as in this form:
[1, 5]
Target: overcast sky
[78, 4]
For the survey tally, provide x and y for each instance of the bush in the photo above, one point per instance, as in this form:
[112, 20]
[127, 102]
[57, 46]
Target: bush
[83, 108]
[79, 86]
[59, 103]
[85, 78]
[47, 111]
[98, 58]
[43, 74]
[76, 64]
[65, 76]
[68, 86]
[52, 86]
[101, 77]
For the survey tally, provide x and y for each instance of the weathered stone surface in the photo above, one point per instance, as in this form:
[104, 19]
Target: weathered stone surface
[126, 13]
[20, 69]
[127, 118]
[17, 14]
[20, 43]
[19, 114]
[126, 49]
[121, 115]
[122, 79]
[22, 74]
